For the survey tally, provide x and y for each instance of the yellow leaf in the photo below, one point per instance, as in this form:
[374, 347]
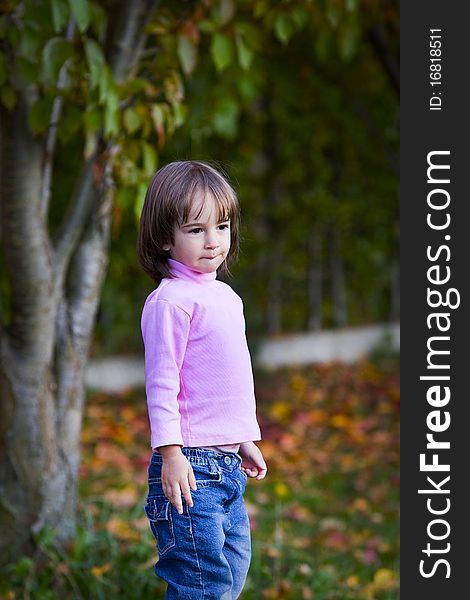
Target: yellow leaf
[339, 421]
[281, 490]
[298, 383]
[280, 410]
[384, 579]
[352, 581]
[122, 530]
[99, 571]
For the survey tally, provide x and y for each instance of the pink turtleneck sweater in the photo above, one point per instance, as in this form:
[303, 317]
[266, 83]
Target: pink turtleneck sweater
[198, 372]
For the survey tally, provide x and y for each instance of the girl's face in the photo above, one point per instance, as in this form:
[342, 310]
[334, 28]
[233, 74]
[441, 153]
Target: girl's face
[202, 243]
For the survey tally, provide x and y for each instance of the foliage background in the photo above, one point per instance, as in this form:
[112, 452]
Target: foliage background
[293, 101]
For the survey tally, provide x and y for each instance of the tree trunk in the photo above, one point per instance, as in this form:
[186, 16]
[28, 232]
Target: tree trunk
[338, 282]
[45, 346]
[55, 289]
[315, 279]
[274, 306]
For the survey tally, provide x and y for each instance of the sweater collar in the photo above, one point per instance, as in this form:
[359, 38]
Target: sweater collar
[182, 271]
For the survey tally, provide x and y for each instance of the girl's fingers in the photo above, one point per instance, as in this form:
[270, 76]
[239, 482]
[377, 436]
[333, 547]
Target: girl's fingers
[192, 481]
[262, 474]
[187, 494]
[175, 499]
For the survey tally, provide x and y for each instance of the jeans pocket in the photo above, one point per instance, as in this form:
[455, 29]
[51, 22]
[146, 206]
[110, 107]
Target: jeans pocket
[158, 511]
[206, 476]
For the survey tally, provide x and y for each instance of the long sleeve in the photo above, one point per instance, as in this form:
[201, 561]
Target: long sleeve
[165, 331]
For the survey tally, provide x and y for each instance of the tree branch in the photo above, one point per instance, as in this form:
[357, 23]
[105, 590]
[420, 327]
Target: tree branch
[76, 315]
[83, 198]
[126, 36]
[52, 132]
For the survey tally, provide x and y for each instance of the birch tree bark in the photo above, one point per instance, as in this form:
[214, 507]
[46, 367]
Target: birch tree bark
[315, 278]
[55, 287]
[338, 280]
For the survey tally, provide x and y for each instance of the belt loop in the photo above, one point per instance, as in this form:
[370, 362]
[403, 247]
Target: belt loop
[214, 468]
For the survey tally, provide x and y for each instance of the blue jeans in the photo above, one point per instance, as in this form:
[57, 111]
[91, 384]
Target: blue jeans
[205, 552]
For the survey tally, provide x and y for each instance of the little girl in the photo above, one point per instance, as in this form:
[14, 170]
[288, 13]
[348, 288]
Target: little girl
[199, 385]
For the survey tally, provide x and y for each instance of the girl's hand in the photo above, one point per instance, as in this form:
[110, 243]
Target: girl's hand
[253, 462]
[177, 477]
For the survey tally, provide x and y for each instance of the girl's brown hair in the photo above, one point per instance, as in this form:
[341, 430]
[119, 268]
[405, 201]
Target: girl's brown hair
[168, 203]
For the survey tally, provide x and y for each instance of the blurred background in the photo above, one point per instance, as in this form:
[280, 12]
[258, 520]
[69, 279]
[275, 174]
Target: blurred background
[297, 102]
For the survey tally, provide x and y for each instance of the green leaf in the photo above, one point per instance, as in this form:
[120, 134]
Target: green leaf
[27, 69]
[60, 14]
[261, 8]
[180, 112]
[23, 567]
[221, 51]
[128, 172]
[29, 42]
[245, 55]
[134, 86]
[143, 110]
[14, 37]
[96, 62]
[150, 159]
[283, 28]
[323, 45]
[70, 122]
[93, 120]
[55, 53]
[8, 97]
[39, 117]
[187, 53]
[81, 12]
[225, 117]
[332, 14]
[300, 16]
[37, 18]
[132, 150]
[125, 196]
[206, 26]
[247, 85]
[140, 197]
[174, 88]
[157, 115]
[224, 11]
[98, 21]
[250, 34]
[111, 115]
[348, 38]
[106, 84]
[131, 120]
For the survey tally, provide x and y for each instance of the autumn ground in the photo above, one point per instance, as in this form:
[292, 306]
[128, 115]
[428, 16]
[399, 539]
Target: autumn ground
[324, 521]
